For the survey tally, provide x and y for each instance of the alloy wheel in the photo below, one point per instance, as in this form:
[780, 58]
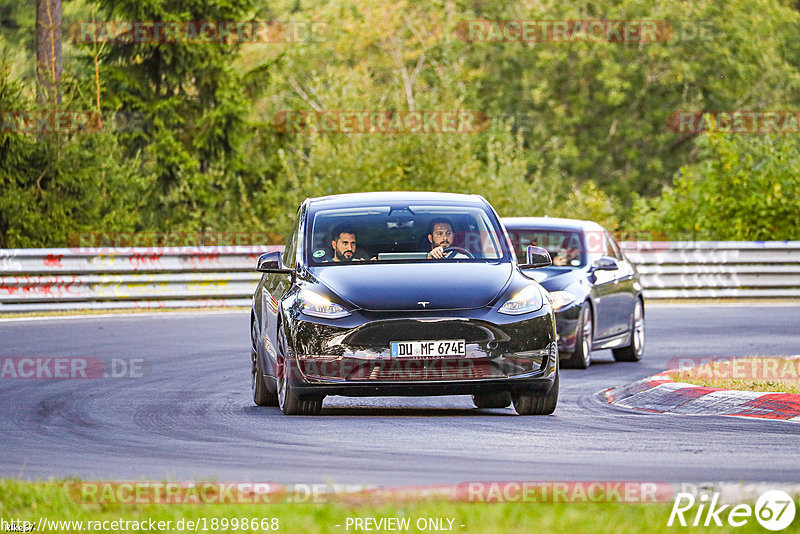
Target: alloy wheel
[586, 337]
[282, 383]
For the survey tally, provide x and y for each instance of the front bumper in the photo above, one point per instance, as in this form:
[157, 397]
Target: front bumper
[351, 356]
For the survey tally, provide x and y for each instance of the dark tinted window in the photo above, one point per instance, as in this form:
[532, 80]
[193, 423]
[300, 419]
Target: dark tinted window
[565, 247]
[400, 233]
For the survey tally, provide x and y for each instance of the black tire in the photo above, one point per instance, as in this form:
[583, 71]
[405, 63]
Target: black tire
[582, 357]
[492, 400]
[536, 404]
[262, 396]
[634, 351]
[288, 401]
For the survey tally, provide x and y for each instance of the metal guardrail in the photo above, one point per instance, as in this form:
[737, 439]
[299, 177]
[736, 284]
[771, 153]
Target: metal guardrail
[717, 269]
[140, 278]
[219, 277]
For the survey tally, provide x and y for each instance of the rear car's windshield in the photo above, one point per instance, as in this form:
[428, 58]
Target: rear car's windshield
[404, 233]
[565, 247]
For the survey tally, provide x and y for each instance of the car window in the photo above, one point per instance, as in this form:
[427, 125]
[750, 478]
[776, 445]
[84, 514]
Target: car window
[401, 233]
[565, 247]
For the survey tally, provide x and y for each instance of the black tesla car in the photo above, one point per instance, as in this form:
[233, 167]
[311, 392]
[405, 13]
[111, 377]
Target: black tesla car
[401, 293]
[596, 293]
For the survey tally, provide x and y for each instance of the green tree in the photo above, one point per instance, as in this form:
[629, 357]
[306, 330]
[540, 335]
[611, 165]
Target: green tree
[58, 185]
[745, 188]
[195, 112]
[599, 110]
[400, 57]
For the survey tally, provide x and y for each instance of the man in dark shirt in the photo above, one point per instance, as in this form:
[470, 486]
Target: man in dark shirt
[344, 243]
[440, 235]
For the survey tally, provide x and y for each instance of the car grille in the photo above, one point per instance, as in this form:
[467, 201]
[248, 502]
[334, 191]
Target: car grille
[379, 333]
[413, 370]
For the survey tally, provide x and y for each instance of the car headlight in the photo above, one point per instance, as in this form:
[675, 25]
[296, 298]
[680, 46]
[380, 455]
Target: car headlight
[527, 300]
[316, 305]
[561, 299]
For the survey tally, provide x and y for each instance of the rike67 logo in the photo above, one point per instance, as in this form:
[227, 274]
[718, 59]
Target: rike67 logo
[774, 510]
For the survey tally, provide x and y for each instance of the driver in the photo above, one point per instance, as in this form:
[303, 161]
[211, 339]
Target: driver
[344, 243]
[440, 235]
[567, 254]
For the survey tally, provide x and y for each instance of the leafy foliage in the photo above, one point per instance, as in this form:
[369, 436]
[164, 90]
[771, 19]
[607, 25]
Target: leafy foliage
[745, 188]
[578, 129]
[62, 184]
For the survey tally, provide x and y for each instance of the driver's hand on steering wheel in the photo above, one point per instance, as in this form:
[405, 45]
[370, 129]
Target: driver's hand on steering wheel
[436, 253]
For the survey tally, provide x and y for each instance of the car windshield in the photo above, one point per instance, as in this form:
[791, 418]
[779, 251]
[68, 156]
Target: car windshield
[565, 247]
[404, 234]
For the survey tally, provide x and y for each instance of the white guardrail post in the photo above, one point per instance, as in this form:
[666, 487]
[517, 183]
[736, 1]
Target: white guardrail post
[225, 276]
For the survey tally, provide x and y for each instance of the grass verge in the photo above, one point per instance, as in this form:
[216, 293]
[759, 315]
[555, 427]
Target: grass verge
[31, 501]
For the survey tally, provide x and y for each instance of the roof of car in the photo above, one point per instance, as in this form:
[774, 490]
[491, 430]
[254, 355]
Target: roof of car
[548, 223]
[355, 199]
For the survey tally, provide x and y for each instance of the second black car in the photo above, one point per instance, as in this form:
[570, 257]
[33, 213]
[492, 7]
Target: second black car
[596, 292]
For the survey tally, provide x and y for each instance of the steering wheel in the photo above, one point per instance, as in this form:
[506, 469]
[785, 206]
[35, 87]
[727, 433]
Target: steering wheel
[454, 250]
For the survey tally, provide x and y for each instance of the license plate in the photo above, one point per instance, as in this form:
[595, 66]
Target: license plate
[428, 349]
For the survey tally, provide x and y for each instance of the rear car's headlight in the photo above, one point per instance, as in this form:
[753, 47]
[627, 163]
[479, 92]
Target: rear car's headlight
[561, 299]
[316, 305]
[527, 300]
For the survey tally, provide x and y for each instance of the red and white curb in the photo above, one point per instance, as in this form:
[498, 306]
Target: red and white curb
[660, 394]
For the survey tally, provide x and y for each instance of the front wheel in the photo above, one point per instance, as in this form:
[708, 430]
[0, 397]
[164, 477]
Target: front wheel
[288, 401]
[537, 404]
[262, 396]
[582, 357]
[634, 351]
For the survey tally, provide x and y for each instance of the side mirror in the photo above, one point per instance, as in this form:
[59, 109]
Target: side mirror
[537, 257]
[606, 263]
[271, 263]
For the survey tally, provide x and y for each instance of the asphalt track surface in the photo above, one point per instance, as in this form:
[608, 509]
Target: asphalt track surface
[191, 415]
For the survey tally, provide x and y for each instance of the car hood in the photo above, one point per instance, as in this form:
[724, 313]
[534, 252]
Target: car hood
[445, 285]
[555, 279]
